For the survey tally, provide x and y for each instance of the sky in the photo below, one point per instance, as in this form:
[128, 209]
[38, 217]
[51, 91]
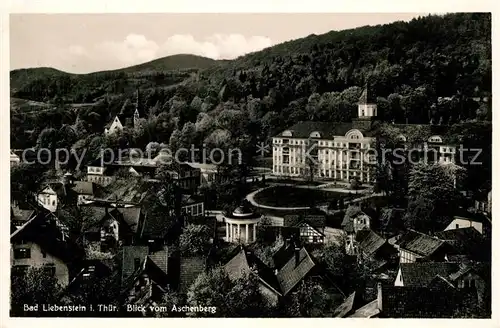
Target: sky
[82, 43]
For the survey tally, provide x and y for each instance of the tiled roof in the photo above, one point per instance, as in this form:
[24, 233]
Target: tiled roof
[420, 302]
[367, 311]
[125, 191]
[83, 188]
[131, 216]
[190, 269]
[292, 272]
[21, 215]
[155, 226]
[327, 130]
[420, 274]
[421, 244]
[160, 259]
[245, 262]
[463, 240]
[371, 243]
[41, 231]
[129, 254]
[346, 307]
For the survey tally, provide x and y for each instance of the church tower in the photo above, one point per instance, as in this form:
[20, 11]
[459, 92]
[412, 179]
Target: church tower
[366, 106]
[137, 114]
[367, 111]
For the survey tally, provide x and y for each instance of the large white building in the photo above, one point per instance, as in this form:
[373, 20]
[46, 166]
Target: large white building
[338, 149]
[344, 151]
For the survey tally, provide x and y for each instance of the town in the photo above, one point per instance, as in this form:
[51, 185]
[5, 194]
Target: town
[363, 199]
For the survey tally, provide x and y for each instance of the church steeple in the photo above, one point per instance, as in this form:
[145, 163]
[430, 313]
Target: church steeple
[367, 108]
[137, 114]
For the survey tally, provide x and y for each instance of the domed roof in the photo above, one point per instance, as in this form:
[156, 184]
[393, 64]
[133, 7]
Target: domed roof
[242, 210]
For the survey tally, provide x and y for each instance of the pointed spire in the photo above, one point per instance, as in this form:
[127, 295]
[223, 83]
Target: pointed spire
[364, 96]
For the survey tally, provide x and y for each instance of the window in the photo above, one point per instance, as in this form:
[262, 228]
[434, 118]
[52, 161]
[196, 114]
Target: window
[53, 203]
[137, 263]
[457, 226]
[20, 270]
[22, 253]
[49, 269]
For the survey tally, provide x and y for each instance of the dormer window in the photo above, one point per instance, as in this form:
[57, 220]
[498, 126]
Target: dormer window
[401, 138]
[315, 134]
[287, 133]
[436, 139]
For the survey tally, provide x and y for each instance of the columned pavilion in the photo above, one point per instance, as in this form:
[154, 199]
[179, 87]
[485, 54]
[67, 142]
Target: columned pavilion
[241, 225]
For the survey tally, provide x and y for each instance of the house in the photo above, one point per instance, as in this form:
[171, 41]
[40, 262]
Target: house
[355, 219]
[116, 226]
[14, 159]
[144, 276]
[443, 301]
[310, 228]
[354, 306]
[123, 119]
[68, 191]
[422, 274]
[19, 215]
[38, 243]
[479, 222]
[468, 243]
[192, 205]
[116, 125]
[155, 229]
[484, 205]
[373, 249]
[245, 262]
[416, 246]
[209, 173]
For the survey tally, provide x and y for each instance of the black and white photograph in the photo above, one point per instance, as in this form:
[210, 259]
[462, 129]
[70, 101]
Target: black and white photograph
[251, 165]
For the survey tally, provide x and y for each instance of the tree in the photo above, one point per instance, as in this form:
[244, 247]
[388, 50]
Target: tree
[35, 287]
[195, 240]
[310, 300]
[26, 180]
[239, 297]
[432, 197]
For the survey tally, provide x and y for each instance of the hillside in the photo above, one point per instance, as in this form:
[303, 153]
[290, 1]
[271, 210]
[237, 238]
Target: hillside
[42, 84]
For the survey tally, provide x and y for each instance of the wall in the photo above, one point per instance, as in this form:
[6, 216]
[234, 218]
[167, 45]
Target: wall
[37, 259]
[462, 223]
[406, 257]
[48, 201]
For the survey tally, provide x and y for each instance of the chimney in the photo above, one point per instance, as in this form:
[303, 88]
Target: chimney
[297, 256]
[379, 296]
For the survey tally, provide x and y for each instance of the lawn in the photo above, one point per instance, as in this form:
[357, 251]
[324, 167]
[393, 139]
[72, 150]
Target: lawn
[289, 196]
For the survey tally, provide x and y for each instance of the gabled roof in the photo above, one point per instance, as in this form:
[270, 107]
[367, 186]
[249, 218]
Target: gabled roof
[129, 254]
[371, 243]
[245, 262]
[421, 244]
[156, 226]
[190, 269]
[420, 274]
[292, 272]
[463, 240]
[160, 259]
[367, 311]
[131, 216]
[420, 302]
[42, 230]
[348, 306]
